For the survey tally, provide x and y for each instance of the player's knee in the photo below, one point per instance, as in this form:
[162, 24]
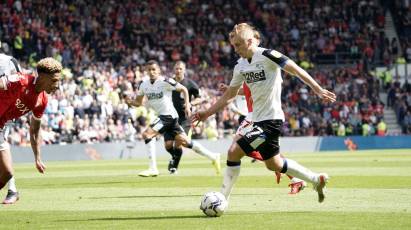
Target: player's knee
[234, 154]
[272, 167]
[169, 145]
[275, 163]
[181, 141]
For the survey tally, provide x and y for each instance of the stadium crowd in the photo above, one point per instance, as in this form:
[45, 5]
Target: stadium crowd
[103, 48]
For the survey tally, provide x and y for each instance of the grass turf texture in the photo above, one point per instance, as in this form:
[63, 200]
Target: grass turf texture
[367, 190]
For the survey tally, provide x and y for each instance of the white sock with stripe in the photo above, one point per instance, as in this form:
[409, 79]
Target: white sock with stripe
[294, 169]
[230, 177]
[200, 149]
[12, 184]
[151, 146]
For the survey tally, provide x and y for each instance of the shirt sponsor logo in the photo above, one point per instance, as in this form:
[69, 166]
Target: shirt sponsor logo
[154, 96]
[252, 77]
[21, 107]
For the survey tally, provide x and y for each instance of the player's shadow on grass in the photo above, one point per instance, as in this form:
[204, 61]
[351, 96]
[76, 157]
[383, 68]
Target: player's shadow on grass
[143, 196]
[139, 218]
[157, 196]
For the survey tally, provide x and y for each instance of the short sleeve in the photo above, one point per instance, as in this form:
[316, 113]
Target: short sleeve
[40, 106]
[170, 84]
[193, 89]
[140, 91]
[276, 57]
[13, 82]
[237, 79]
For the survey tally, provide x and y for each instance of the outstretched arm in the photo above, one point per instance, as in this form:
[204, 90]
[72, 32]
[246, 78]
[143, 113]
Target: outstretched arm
[136, 103]
[223, 101]
[35, 141]
[223, 87]
[292, 68]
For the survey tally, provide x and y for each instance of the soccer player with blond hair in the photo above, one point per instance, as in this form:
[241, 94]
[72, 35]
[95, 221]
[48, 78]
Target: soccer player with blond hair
[260, 69]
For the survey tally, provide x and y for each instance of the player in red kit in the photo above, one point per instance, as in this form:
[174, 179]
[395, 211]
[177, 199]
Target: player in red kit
[19, 95]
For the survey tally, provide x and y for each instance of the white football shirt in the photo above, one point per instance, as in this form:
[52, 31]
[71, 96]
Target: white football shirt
[8, 65]
[159, 95]
[263, 76]
[241, 104]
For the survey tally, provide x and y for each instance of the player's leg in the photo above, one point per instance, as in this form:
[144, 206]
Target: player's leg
[183, 140]
[296, 185]
[194, 145]
[187, 127]
[149, 138]
[6, 174]
[234, 155]
[6, 169]
[172, 145]
[176, 154]
[294, 169]
[291, 167]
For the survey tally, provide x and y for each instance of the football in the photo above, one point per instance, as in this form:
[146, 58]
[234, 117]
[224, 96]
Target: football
[213, 204]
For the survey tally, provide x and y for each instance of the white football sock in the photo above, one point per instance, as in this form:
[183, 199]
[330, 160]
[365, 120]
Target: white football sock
[12, 184]
[198, 148]
[152, 154]
[296, 170]
[230, 177]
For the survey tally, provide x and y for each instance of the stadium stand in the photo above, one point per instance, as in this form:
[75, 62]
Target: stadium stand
[104, 46]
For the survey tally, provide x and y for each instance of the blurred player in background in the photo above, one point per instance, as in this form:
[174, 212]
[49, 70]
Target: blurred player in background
[19, 95]
[260, 69]
[183, 120]
[158, 92]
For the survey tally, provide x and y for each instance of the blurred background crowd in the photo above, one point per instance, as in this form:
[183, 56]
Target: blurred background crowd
[104, 46]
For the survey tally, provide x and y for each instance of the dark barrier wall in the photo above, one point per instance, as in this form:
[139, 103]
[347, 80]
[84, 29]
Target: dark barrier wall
[362, 143]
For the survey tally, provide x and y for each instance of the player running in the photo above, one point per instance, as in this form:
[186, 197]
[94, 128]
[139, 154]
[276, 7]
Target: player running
[260, 69]
[183, 120]
[19, 95]
[244, 107]
[158, 91]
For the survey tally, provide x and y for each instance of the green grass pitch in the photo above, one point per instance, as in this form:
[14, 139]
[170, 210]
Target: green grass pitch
[367, 190]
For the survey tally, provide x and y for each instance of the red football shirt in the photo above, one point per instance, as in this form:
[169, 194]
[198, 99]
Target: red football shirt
[20, 97]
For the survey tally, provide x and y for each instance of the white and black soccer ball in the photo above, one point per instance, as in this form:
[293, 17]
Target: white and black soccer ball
[213, 204]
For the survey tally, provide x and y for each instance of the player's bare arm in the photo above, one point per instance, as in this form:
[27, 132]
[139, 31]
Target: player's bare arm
[292, 68]
[222, 102]
[136, 102]
[35, 141]
[180, 88]
[223, 87]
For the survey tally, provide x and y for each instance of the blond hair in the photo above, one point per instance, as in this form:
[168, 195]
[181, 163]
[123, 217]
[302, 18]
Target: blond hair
[49, 65]
[245, 31]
